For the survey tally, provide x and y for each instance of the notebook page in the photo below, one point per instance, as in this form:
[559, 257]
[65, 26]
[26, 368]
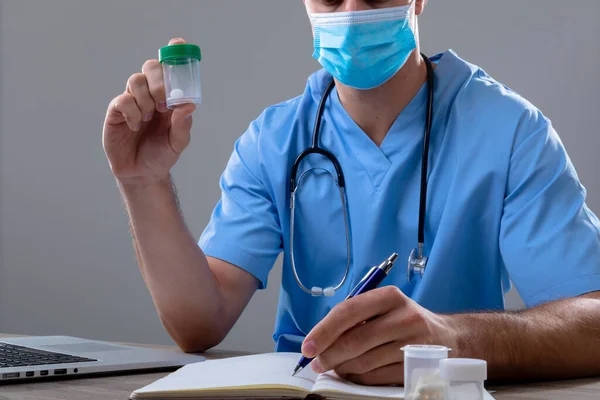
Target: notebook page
[262, 371]
[329, 382]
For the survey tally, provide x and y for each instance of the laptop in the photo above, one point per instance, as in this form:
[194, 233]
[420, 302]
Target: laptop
[39, 357]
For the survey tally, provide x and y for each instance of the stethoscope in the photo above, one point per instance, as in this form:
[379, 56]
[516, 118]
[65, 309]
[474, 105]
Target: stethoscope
[417, 262]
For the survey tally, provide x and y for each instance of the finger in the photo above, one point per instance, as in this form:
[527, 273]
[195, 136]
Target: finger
[124, 109]
[181, 124]
[360, 340]
[348, 314]
[138, 86]
[152, 69]
[177, 41]
[387, 375]
[389, 353]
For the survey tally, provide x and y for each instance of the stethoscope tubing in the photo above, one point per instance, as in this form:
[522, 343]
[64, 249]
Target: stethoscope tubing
[417, 261]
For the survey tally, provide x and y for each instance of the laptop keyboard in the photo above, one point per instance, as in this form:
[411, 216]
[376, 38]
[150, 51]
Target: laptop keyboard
[18, 356]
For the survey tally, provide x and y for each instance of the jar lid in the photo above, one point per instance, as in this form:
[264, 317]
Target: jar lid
[425, 351]
[179, 52]
[463, 369]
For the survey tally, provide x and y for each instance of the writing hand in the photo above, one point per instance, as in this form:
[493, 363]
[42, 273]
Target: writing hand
[369, 353]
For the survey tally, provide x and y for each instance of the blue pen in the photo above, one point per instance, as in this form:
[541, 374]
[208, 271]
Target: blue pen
[371, 280]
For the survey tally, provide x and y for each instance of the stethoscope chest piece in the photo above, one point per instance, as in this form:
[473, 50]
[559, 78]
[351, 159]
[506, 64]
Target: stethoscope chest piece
[416, 265]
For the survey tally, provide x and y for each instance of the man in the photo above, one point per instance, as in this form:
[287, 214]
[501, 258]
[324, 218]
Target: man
[503, 202]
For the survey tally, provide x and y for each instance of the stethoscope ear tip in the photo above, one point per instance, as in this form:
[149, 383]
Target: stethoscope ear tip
[316, 291]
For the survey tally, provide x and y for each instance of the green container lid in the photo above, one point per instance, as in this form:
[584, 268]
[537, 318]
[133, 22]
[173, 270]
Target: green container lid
[179, 52]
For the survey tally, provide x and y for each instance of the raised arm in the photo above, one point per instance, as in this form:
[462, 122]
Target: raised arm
[198, 298]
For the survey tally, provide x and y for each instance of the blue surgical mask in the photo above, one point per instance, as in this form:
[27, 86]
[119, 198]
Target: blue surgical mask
[363, 49]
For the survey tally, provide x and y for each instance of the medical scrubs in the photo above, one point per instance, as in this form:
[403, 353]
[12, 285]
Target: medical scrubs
[504, 202]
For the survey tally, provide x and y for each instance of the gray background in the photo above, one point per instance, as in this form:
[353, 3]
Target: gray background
[67, 265]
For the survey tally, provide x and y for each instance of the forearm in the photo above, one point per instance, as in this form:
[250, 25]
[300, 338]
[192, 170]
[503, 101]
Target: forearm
[557, 340]
[177, 273]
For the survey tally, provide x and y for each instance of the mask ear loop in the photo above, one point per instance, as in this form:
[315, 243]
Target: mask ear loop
[318, 291]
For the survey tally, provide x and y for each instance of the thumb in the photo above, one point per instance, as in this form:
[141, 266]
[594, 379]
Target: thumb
[181, 124]
[177, 41]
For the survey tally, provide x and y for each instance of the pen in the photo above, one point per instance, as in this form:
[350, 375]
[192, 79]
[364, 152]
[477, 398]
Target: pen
[370, 281]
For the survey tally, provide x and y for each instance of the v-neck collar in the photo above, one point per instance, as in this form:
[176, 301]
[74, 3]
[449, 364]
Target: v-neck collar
[377, 160]
[370, 156]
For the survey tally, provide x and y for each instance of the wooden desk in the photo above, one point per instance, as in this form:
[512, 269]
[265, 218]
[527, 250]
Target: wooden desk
[120, 387]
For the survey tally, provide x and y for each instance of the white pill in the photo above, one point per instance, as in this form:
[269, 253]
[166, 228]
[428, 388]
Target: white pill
[317, 291]
[329, 292]
[176, 93]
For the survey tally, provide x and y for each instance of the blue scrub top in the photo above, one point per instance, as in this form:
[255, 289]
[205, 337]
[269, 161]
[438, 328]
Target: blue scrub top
[504, 202]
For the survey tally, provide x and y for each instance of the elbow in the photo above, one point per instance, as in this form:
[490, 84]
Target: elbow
[195, 338]
[198, 344]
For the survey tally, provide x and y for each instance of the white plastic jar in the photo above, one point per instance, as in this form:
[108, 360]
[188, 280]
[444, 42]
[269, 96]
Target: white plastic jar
[181, 73]
[422, 380]
[463, 378]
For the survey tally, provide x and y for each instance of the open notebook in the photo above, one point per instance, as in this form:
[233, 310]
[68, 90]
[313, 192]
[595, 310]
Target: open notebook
[259, 376]
[264, 376]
